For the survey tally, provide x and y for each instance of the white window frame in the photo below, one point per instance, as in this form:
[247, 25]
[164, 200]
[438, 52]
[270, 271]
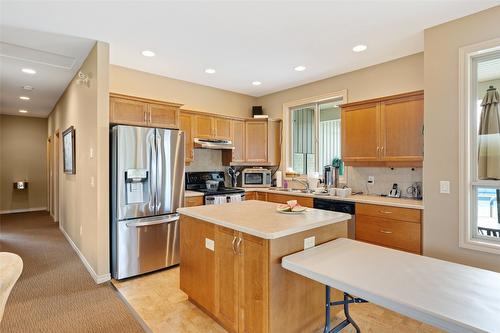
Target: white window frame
[287, 124]
[468, 148]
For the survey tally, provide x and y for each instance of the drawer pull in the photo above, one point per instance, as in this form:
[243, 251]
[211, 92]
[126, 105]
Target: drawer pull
[385, 212]
[386, 231]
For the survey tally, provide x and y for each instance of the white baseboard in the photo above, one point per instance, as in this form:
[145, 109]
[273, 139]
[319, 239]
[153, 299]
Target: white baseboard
[22, 210]
[97, 278]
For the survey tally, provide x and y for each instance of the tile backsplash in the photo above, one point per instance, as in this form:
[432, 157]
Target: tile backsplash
[357, 179]
[206, 160]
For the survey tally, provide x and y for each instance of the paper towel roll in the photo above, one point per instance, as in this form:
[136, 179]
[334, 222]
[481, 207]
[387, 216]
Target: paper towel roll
[279, 178]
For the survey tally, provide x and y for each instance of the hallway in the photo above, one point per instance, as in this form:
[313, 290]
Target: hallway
[55, 293]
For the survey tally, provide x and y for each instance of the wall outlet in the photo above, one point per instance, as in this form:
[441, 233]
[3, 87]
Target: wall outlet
[309, 242]
[210, 244]
[371, 179]
[91, 153]
[444, 186]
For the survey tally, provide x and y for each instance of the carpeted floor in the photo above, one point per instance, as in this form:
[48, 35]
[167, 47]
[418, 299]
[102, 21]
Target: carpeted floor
[55, 293]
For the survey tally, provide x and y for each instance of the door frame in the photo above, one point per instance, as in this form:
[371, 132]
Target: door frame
[56, 172]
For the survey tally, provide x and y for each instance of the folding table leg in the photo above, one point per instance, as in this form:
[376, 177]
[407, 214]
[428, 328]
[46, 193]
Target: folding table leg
[345, 302]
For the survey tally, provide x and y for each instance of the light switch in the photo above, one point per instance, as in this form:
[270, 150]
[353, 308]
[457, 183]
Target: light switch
[91, 153]
[309, 242]
[444, 186]
[210, 244]
[92, 182]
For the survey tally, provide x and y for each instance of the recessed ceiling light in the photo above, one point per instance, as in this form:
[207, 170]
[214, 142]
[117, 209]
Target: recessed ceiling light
[148, 53]
[210, 71]
[300, 68]
[23, 111]
[359, 48]
[256, 83]
[24, 98]
[29, 88]
[29, 71]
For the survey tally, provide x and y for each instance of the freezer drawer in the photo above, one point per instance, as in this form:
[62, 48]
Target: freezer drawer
[145, 245]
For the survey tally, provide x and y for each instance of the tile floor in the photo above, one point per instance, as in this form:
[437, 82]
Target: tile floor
[160, 303]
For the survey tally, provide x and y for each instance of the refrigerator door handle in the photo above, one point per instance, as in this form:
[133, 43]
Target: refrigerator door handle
[153, 178]
[159, 168]
[148, 223]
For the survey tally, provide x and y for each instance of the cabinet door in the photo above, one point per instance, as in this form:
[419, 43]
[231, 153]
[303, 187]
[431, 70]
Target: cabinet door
[204, 127]
[250, 196]
[186, 125]
[165, 116]
[262, 196]
[127, 112]
[402, 123]
[238, 137]
[360, 133]
[197, 272]
[253, 284]
[193, 201]
[256, 141]
[282, 198]
[222, 128]
[226, 278]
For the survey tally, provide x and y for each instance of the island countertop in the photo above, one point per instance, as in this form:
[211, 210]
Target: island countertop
[260, 218]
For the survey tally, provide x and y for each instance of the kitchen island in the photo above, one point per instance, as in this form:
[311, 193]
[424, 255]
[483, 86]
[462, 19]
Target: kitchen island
[231, 264]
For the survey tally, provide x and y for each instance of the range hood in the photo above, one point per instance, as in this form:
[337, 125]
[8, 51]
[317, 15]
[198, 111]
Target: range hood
[213, 144]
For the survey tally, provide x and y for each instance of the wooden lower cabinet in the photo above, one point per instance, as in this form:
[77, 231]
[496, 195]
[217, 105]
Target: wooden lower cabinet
[283, 198]
[193, 201]
[249, 290]
[262, 196]
[398, 228]
[250, 195]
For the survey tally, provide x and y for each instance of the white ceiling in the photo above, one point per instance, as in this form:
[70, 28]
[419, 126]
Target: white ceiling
[245, 41]
[489, 70]
[56, 58]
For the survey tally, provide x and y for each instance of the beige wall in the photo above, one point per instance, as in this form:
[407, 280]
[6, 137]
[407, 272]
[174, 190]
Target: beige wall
[84, 208]
[23, 156]
[441, 134]
[393, 77]
[193, 96]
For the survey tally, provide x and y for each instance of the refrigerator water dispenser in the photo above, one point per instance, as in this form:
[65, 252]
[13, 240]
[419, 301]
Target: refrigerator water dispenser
[135, 180]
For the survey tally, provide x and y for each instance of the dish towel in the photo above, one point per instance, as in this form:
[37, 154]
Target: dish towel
[235, 198]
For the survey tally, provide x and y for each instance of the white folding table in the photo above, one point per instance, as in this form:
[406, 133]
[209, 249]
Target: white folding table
[453, 297]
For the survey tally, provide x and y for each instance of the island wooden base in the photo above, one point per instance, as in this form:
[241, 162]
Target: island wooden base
[241, 284]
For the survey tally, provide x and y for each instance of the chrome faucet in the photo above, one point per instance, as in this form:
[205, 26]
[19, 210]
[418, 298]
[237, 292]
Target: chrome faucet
[305, 183]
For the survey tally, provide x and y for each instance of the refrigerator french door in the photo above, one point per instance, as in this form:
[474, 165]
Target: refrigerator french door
[147, 187]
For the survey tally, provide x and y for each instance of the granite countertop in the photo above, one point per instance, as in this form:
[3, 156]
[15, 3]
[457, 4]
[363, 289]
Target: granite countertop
[260, 218]
[361, 198]
[188, 194]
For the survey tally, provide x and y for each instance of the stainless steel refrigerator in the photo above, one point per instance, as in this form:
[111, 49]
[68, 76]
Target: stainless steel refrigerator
[147, 187]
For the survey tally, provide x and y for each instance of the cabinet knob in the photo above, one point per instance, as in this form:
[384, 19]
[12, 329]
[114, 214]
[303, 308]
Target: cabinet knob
[233, 243]
[238, 246]
[386, 231]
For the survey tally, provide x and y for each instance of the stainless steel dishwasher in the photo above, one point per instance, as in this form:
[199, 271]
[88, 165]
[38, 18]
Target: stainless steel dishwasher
[347, 207]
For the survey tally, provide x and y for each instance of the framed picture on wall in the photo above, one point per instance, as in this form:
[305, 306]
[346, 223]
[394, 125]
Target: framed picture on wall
[69, 151]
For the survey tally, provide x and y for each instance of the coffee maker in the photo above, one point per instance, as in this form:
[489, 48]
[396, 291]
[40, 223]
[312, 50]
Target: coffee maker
[330, 176]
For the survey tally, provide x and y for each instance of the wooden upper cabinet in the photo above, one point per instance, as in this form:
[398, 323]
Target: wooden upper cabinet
[186, 125]
[129, 110]
[384, 132]
[402, 136]
[359, 133]
[161, 115]
[204, 127]
[238, 138]
[256, 141]
[222, 128]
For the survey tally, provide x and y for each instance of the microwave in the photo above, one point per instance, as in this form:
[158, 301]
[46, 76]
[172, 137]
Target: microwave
[256, 177]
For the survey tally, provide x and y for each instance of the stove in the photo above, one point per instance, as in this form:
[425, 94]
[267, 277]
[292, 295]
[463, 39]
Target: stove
[195, 181]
